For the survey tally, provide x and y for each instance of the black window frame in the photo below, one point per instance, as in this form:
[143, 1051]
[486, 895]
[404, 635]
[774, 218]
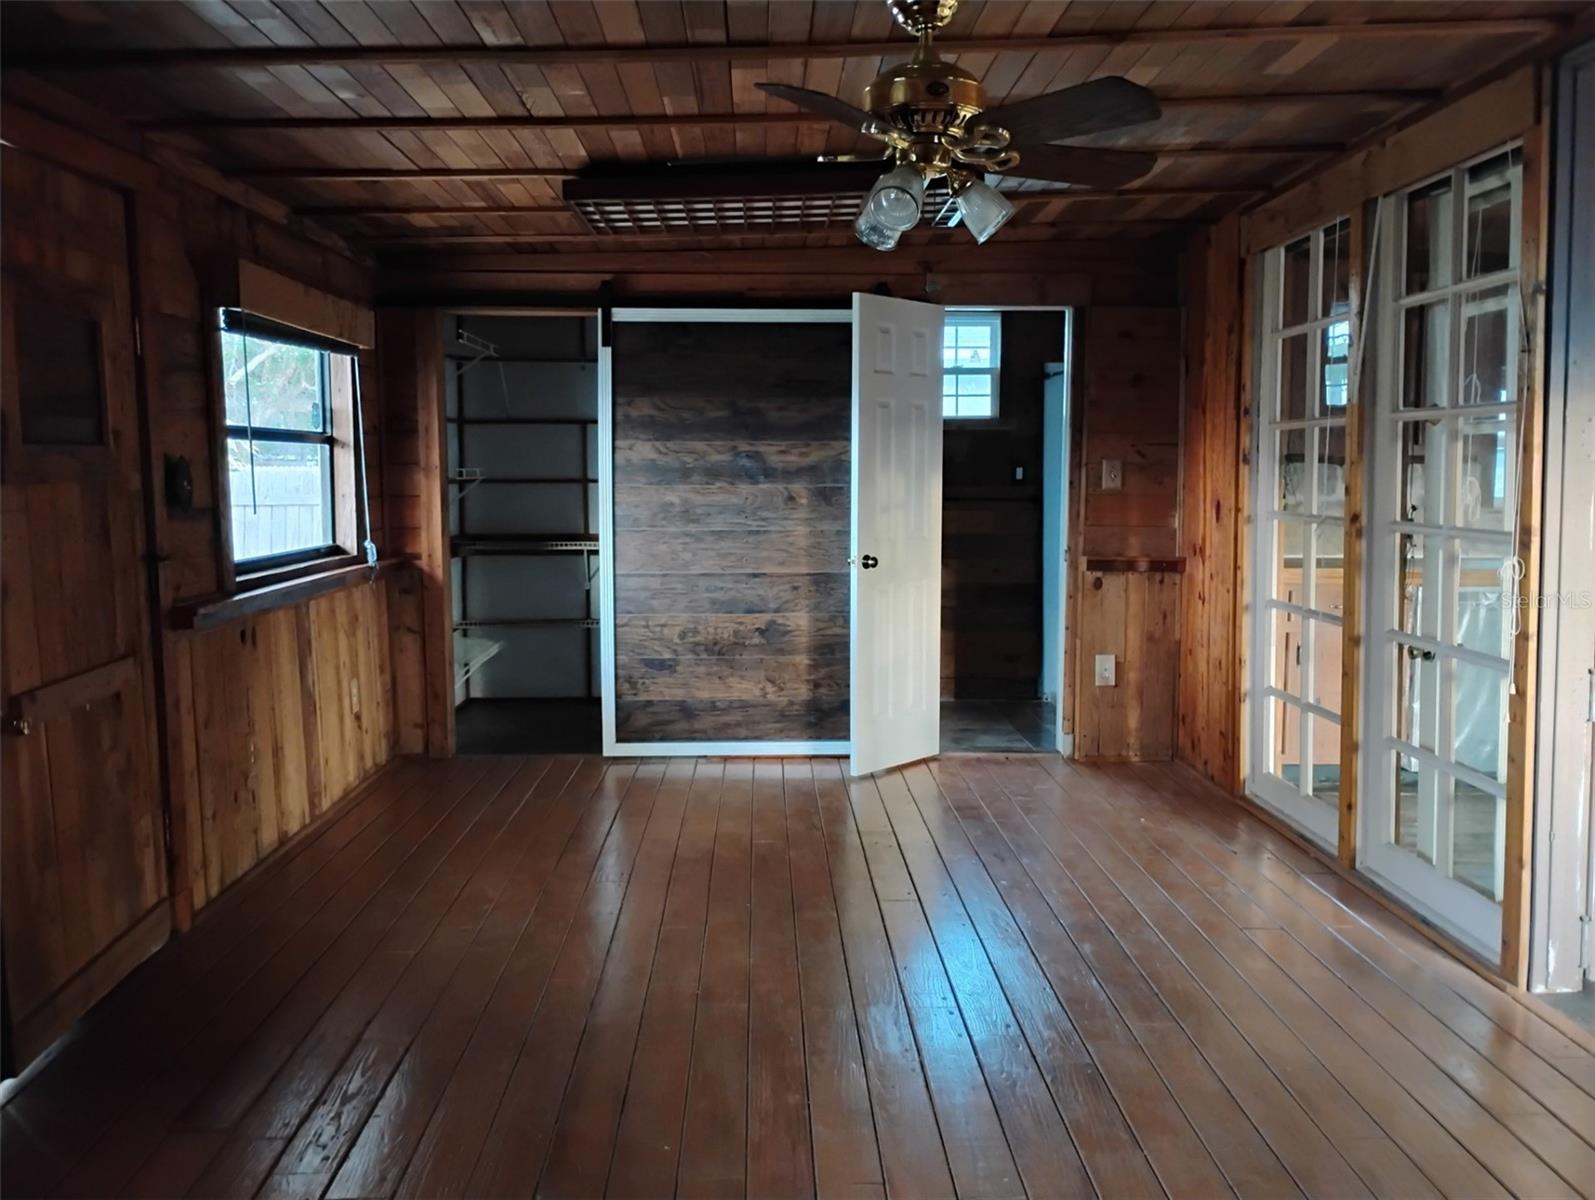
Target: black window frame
[251, 325]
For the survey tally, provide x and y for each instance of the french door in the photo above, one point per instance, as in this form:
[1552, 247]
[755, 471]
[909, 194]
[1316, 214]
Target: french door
[1300, 503]
[1443, 599]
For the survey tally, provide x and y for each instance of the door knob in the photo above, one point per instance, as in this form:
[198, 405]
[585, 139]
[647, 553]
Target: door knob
[869, 561]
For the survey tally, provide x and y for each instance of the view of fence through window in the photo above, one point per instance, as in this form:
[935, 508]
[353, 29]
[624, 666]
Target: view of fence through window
[279, 446]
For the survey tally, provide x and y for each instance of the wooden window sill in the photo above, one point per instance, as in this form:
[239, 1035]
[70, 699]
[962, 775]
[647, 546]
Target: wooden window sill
[212, 611]
[1134, 565]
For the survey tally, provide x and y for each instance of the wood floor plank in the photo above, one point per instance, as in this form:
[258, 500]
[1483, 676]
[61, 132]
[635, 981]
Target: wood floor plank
[913, 1157]
[1316, 1085]
[169, 1086]
[647, 1140]
[1488, 1112]
[714, 1129]
[847, 1158]
[780, 1144]
[1295, 1138]
[1514, 1079]
[987, 976]
[448, 1152]
[96, 1073]
[361, 1035]
[501, 970]
[611, 934]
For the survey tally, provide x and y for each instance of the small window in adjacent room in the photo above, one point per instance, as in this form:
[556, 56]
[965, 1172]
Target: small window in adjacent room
[286, 393]
[971, 353]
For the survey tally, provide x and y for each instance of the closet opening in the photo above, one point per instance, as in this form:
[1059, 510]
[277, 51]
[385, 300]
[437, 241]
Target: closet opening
[521, 408]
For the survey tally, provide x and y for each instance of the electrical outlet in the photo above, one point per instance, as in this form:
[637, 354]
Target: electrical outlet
[1106, 668]
[1112, 474]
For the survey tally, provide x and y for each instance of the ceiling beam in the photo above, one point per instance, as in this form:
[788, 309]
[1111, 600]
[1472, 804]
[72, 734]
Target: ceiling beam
[321, 174]
[530, 56]
[690, 120]
[1046, 196]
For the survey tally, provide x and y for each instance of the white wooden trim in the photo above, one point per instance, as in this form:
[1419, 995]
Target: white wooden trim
[613, 748]
[606, 538]
[785, 316]
[726, 749]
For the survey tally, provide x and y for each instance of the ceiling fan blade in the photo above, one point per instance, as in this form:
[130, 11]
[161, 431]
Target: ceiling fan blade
[1102, 104]
[839, 111]
[1081, 164]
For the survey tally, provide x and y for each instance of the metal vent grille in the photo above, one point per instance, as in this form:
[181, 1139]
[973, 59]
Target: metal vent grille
[730, 199]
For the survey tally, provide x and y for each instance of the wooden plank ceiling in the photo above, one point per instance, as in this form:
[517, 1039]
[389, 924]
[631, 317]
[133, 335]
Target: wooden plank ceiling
[440, 127]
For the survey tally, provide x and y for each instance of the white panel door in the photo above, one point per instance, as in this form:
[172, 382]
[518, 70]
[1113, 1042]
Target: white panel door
[896, 559]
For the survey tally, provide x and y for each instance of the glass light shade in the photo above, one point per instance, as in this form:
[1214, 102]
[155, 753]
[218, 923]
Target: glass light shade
[983, 209]
[872, 233]
[896, 198]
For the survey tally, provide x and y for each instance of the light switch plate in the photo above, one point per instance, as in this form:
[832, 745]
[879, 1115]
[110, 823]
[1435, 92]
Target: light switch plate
[1106, 665]
[1112, 474]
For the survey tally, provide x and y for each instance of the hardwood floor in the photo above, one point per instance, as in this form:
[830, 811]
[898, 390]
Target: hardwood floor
[982, 977]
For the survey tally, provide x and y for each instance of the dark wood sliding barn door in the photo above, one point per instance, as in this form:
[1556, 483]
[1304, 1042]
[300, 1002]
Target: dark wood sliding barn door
[81, 846]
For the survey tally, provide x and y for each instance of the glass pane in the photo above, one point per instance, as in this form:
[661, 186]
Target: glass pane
[1478, 837]
[1328, 565]
[1335, 363]
[1325, 735]
[1288, 546]
[1405, 769]
[1485, 596]
[1325, 639]
[974, 395]
[281, 497]
[1489, 358]
[1293, 495]
[1296, 283]
[1335, 285]
[1420, 503]
[1429, 238]
[1417, 696]
[1285, 650]
[270, 385]
[1489, 226]
[1478, 718]
[1284, 759]
[1488, 480]
[1329, 476]
[1293, 377]
[1424, 335]
[1418, 581]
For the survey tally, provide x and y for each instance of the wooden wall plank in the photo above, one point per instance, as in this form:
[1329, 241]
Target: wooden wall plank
[731, 531]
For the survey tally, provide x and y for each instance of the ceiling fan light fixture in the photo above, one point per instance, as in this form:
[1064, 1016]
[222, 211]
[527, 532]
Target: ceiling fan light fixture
[984, 210]
[872, 233]
[896, 199]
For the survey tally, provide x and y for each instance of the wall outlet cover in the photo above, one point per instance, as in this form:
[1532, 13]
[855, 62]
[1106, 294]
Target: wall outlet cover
[1106, 664]
[1112, 474]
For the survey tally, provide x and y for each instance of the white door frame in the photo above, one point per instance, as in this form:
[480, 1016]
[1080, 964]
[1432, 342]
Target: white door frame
[1063, 741]
[606, 526]
[1462, 912]
[1562, 945]
[1316, 819]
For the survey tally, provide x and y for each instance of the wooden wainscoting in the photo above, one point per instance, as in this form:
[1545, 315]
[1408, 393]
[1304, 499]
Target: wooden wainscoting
[1132, 615]
[278, 717]
[731, 531]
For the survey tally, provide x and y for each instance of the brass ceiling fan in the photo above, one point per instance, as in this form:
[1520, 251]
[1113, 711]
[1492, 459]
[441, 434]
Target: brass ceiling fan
[932, 115]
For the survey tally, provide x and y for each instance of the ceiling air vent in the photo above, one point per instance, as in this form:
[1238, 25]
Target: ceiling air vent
[688, 198]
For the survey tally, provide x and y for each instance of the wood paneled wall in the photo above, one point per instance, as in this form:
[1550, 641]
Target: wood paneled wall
[286, 712]
[1127, 408]
[270, 720]
[1212, 526]
[991, 525]
[1132, 615]
[731, 531]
